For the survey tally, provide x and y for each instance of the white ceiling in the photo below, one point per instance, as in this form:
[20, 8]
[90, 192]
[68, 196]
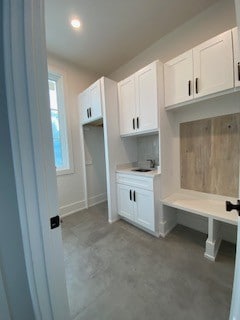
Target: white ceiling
[113, 31]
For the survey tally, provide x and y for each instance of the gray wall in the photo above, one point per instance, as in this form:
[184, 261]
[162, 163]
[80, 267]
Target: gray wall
[214, 20]
[71, 186]
[95, 164]
[11, 248]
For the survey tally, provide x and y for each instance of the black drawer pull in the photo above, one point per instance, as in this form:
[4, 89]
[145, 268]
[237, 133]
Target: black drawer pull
[189, 88]
[137, 122]
[90, 112]
[238, 71]
[130, 195]
[133, 124]
[134, 196]
[196, 85]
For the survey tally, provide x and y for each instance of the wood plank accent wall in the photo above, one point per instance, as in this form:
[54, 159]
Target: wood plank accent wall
[210, 155]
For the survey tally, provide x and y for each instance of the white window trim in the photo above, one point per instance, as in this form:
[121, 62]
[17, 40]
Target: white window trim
[60, 78]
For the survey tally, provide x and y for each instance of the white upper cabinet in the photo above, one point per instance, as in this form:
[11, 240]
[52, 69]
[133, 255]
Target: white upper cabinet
[178, 74]
[90, 102]
[138, 101]
[95, 100]
[213, 59]
[147, 98]
[127, 103]
[83, 101]
[204, 70]
[236, 57]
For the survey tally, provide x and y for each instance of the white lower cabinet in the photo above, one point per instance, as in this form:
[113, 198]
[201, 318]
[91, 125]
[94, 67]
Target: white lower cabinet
[125, 204]
[144, 208]
[137, 204]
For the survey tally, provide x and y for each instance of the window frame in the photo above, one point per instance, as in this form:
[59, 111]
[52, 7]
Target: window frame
[64, 124]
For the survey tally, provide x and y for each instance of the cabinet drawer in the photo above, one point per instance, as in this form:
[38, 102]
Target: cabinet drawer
[135, 181]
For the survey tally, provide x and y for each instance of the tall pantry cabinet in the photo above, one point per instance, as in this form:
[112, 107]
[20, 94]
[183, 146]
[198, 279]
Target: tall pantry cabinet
[98, 105]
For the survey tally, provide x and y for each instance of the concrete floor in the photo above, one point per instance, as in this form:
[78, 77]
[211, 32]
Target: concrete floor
[118, 272]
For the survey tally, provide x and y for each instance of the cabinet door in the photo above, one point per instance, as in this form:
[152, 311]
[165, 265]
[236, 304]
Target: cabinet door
[144, 208]
[125, 204]
[95, 101]
[84, 105]
[213, 65]
[236, 57]
[178, 76]
[127, 105]
[147, 98]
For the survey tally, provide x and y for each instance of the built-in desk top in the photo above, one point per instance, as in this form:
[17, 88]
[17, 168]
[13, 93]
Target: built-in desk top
[203, 204]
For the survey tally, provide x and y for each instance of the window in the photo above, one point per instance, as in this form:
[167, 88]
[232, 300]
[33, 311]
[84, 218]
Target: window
[58, 119]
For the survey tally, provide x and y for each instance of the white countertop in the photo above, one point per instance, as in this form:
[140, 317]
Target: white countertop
[127, 169]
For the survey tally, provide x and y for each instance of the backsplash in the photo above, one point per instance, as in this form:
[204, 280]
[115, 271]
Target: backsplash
[148, 148]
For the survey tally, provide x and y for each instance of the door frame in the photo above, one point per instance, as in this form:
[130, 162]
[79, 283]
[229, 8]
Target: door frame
[31, 138]
[235, 308]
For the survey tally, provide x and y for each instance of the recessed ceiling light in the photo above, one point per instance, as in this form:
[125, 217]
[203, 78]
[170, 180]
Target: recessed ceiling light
[75, 23]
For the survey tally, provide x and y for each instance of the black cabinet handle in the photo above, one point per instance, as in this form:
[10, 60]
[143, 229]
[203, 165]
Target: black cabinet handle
[138, 122]
[196, 85]
[90, 112]
[230, 206]
[133, 124]
[189, 88]
[130, 195]
[134, 196]
[238, 71]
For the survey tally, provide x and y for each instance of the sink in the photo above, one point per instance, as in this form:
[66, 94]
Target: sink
[142, 170]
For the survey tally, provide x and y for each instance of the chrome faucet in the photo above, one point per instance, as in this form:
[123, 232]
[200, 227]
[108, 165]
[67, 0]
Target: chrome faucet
[152, 163]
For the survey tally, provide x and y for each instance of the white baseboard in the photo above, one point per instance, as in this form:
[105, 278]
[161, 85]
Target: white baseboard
[166, 226]
[167, 220]
[72, 208]
[80, 205]
[212, 249]
[99, 198]
[114, 220]
[207, 256]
